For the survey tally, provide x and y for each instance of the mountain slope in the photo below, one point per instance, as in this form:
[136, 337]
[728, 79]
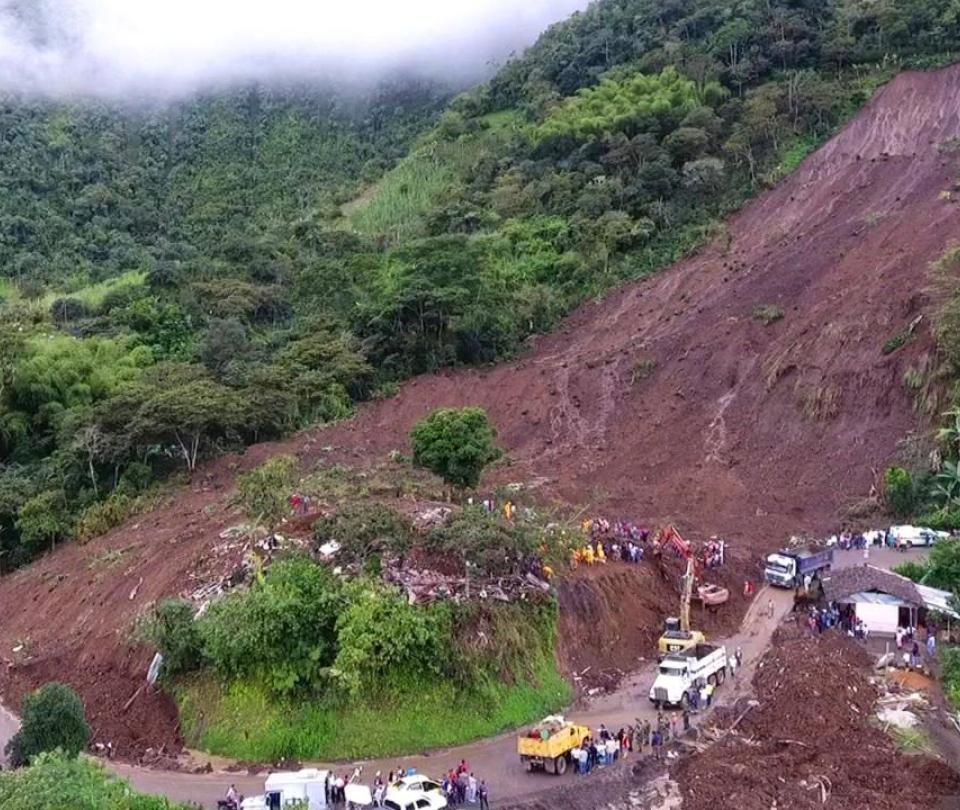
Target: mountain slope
[667, 400]
[671, 398]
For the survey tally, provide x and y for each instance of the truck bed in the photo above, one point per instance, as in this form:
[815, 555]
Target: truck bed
[554, 745]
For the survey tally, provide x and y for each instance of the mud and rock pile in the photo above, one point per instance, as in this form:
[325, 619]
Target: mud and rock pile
[810, 742]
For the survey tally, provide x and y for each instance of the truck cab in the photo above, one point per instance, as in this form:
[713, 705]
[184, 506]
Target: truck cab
[780, 570]
[703, 663]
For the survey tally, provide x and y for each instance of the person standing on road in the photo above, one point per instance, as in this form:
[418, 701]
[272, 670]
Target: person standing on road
[770, 608]
[732, 663]
[657, 743]
[638, 736]
[686, 720]
[484, 795]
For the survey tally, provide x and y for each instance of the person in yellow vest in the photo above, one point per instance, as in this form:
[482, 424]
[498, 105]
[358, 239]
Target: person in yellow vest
[588, 555]
[601, 557]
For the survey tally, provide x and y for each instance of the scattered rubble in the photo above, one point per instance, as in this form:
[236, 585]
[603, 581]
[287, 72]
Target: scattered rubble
[810, 741]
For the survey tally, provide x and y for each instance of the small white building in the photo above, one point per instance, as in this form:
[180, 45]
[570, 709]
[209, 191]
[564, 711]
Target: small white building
[883, 600]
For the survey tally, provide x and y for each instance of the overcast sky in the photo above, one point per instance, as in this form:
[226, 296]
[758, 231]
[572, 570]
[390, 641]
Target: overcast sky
[148, 46]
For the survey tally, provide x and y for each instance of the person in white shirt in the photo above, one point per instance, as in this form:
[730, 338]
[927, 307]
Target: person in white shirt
[732, 663]
[612, 747]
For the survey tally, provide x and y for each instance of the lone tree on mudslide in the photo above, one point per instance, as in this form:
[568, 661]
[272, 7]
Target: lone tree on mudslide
[456, 444]
[53, 718]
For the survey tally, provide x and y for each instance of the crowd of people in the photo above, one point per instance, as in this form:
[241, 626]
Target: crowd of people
[459, 786]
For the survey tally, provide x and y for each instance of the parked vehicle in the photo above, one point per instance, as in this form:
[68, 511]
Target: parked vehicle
[286, 787]
[915, 536]
[413, 783]
[791, 568]
[416, 800]
[704, 663]
[547, 745]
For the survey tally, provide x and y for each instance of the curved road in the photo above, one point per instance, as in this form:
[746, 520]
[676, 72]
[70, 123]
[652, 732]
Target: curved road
[494, 759]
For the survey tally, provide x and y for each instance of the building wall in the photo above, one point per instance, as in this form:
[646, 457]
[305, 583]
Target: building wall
[878, 618]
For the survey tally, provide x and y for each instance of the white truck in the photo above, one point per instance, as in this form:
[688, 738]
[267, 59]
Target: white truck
[702, 663]
[283, 788]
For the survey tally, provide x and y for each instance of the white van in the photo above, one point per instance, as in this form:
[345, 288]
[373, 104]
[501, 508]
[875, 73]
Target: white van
[917, 535]
[284, 787]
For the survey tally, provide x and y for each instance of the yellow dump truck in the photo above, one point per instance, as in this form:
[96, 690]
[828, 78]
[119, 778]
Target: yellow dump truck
[548, 744]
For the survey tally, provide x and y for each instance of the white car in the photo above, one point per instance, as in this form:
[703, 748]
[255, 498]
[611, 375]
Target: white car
[414, 783]
[917, 535]
[415, 800]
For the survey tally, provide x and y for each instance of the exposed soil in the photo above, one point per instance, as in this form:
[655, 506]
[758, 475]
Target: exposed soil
[744, 429]
[812, 723]
[611, 616]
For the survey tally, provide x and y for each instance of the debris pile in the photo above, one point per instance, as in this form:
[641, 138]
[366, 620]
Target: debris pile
[811, 740]
[426, 585]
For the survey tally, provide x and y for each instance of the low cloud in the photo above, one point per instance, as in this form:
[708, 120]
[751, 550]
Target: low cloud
[150, 47]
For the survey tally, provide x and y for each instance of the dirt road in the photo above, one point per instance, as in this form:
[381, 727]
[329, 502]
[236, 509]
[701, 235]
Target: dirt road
[495, 759]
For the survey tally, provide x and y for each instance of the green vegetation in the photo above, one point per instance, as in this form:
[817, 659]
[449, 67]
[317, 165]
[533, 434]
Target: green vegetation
[306, 662]
[767, 314]
[899, 491]
[264, 492]
[182, 279]
[55, 782]
[940, 570]
[913, 741]
[52, 719]
[455, 444]
[895, 343]
[245, 722]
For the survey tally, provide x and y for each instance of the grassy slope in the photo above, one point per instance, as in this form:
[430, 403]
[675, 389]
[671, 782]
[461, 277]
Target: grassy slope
[396, 205]
[241, 721]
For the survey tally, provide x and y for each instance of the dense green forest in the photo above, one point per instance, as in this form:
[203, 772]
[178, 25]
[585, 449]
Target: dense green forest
[181, 278]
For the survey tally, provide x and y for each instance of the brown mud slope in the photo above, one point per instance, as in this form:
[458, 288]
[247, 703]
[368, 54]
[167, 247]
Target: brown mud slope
[670, 398]
[747, 429]
[612, 615]
[813, 722]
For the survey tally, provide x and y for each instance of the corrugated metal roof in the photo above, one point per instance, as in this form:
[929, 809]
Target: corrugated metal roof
[875, 598]
[938, 600]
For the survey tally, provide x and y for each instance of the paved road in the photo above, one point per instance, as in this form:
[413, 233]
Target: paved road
[495, 759]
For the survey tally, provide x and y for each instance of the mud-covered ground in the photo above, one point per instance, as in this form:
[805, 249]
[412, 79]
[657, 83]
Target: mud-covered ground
[666, 401]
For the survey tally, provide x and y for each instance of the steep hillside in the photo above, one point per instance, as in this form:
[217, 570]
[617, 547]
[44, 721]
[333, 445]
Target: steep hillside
[669, 399]
[674, 397]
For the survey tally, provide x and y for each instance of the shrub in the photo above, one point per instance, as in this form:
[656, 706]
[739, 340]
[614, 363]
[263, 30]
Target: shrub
[943, 520]
[264, 491]
[767, 314]
[911, 569]
[895, 343]
[101, 517]
[53, 719]
[366, 530]
[43, 519]
[281, 630]
[899, 491]
[484, 541]
[380, 634]
[455, 444]
[950, 659]
[55, 782]
[172, 629]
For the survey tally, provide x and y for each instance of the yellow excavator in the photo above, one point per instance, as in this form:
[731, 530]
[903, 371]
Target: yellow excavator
[677, 635]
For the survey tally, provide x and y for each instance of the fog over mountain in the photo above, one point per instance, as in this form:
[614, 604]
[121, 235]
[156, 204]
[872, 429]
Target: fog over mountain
[169, 47]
